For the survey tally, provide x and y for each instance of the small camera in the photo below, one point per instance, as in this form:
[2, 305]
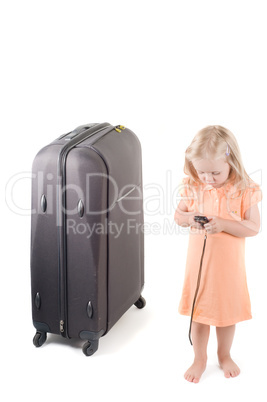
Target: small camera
[201, 219]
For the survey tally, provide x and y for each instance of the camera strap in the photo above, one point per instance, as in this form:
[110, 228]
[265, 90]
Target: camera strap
[197, 287]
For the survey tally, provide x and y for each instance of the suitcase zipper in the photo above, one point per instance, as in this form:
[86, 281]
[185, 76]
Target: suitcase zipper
[61, 326]
[61, 224]
[119, 128]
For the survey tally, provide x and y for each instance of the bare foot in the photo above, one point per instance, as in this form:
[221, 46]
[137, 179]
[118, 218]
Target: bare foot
[194, 372]
[229, 367]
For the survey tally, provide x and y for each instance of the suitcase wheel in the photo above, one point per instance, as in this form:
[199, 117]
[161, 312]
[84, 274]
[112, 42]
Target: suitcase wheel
[39, 339]
[140, 303]
[90, 347]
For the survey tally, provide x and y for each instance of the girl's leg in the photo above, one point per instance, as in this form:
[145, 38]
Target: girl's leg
[225, 336]
[200, 336]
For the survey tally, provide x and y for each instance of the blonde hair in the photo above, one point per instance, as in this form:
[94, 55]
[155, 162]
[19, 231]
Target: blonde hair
[215, 142]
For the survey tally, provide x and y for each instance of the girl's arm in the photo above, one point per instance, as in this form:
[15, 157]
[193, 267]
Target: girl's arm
[250, 226]
[185, 218]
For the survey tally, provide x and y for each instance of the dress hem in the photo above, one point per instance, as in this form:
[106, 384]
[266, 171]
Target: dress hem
[208, 321]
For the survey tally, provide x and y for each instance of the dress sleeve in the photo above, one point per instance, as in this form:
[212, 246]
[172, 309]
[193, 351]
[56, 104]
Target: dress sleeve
[186, 193]
[252, 196]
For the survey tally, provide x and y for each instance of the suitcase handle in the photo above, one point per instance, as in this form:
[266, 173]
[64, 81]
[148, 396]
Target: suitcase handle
[79, 130]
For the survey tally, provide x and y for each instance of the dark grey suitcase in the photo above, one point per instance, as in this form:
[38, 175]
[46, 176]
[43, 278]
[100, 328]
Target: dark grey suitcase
[87, 240]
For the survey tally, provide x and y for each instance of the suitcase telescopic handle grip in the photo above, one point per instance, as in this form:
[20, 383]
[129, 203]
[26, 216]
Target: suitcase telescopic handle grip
[82, 128]
[77, 131]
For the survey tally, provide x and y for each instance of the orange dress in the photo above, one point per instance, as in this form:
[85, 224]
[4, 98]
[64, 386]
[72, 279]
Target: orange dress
[223, 297]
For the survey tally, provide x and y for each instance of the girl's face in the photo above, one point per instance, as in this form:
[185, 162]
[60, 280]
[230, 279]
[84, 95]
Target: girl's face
[214, 172]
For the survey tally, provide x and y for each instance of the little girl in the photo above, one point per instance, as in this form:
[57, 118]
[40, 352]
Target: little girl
[219, 188]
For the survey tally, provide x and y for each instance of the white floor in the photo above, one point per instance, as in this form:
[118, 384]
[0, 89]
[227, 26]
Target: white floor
[142, 358]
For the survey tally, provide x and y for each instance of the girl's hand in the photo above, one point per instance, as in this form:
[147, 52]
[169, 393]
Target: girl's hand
[215, 225]
[194, 224]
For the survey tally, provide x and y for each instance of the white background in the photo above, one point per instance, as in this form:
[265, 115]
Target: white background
[165, 69]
